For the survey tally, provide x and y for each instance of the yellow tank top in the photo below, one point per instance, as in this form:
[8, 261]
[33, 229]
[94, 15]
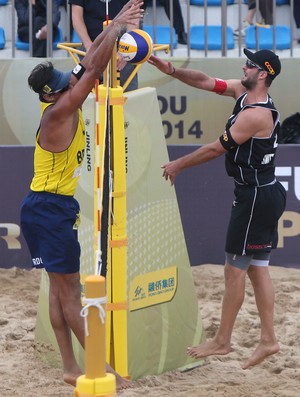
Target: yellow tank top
[59, 172]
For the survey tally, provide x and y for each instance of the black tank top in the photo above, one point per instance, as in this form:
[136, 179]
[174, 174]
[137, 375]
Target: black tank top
[252, 163]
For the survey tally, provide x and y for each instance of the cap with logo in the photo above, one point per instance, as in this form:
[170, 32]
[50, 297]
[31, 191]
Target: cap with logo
[58, 82]
[266, 59]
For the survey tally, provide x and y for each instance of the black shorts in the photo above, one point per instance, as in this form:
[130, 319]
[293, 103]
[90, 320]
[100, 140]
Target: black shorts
[254, 219]
[49, 223]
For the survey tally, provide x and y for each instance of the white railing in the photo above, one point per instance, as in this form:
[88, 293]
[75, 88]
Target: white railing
[205, 15]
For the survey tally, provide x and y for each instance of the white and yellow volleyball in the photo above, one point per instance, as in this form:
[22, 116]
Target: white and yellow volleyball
[135, 46]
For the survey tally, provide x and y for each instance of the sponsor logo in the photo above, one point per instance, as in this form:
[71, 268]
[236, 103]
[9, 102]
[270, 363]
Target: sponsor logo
[153, 288]
[46, 89]
[225, 136]
[124, 47]
[268, 158]
[37, 262]
[77, 69]
[258, 246]
[269, 67]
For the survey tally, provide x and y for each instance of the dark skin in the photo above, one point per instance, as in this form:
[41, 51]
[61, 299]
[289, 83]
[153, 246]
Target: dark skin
[58, 126]
[59, 122]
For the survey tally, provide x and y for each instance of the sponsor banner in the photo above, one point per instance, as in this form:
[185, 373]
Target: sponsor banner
[189, 116]
[153, 288]
[205, 195]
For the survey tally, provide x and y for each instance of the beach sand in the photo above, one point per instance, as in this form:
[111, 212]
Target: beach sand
[24, 372]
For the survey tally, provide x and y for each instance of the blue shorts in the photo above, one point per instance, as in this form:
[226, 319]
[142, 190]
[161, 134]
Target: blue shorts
[49, 223]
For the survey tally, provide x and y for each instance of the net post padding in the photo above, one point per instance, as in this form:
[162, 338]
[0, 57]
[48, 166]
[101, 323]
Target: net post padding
[118, 244]
[95, 382]
[111, 124]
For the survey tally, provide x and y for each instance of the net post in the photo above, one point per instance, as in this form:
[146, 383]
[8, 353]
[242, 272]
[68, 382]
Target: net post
[95, 382]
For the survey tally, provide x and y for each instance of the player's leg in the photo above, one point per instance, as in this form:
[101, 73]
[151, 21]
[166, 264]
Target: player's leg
[60, 307]
[235, 274]
[58, 240]
[232, 301]
[264, 296]
[269, 207]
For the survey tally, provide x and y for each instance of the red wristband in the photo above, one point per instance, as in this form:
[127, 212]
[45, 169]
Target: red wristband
[220, 86]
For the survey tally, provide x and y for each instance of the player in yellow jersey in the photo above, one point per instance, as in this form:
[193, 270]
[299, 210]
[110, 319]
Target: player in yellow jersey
[50, 213]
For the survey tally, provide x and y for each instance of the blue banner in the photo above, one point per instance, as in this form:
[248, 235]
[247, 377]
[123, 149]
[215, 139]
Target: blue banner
[16, 164]
[204, 194]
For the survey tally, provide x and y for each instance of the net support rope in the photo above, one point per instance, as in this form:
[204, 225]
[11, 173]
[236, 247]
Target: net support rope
[93, 302]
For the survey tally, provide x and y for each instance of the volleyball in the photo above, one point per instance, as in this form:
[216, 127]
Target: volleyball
[135, 46]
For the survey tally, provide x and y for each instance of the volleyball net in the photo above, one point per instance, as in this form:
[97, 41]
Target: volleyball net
[152, 308]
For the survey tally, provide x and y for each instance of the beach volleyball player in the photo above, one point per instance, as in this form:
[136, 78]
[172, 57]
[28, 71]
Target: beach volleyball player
[249, 143]
[50, 214]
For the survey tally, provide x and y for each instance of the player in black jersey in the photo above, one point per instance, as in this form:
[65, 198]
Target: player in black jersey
[249, 143]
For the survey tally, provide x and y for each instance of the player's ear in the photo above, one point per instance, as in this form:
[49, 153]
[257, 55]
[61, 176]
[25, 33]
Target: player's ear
[49, 97]
[263, 72]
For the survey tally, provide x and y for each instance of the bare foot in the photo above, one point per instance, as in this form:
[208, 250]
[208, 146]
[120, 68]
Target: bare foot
[261, 352]
[208, 348]
[71, 378]
[122, 383]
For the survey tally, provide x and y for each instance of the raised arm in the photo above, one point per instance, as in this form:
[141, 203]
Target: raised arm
[96, 59]
[198, 79]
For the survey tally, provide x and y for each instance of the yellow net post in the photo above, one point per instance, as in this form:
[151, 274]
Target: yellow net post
[118, 241]
[110, 94]
[117, 264]
[96, 382]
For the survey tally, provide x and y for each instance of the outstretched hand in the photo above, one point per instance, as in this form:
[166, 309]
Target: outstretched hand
[164, 66]
[171, 170]
[131, 13]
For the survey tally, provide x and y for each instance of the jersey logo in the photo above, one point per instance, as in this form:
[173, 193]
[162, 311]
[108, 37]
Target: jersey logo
[267, 158]
[77, 172]
[225, 136]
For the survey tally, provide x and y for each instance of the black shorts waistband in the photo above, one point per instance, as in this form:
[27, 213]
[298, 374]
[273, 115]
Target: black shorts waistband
[241, 185]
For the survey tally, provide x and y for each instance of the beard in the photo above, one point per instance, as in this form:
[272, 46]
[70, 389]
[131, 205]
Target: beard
[249, 84]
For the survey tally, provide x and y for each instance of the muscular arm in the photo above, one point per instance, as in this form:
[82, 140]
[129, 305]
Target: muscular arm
[58, 125]
[97, 58]
[252, 122]
[196, 78]
[202, 155]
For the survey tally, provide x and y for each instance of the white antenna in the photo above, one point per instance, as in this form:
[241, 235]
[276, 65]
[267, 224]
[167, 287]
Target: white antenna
[106, 3]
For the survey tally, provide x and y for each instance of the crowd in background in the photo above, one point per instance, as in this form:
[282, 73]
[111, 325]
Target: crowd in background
[86, 18]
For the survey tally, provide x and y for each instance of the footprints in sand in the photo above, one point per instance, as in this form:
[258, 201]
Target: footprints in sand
[3, 322]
